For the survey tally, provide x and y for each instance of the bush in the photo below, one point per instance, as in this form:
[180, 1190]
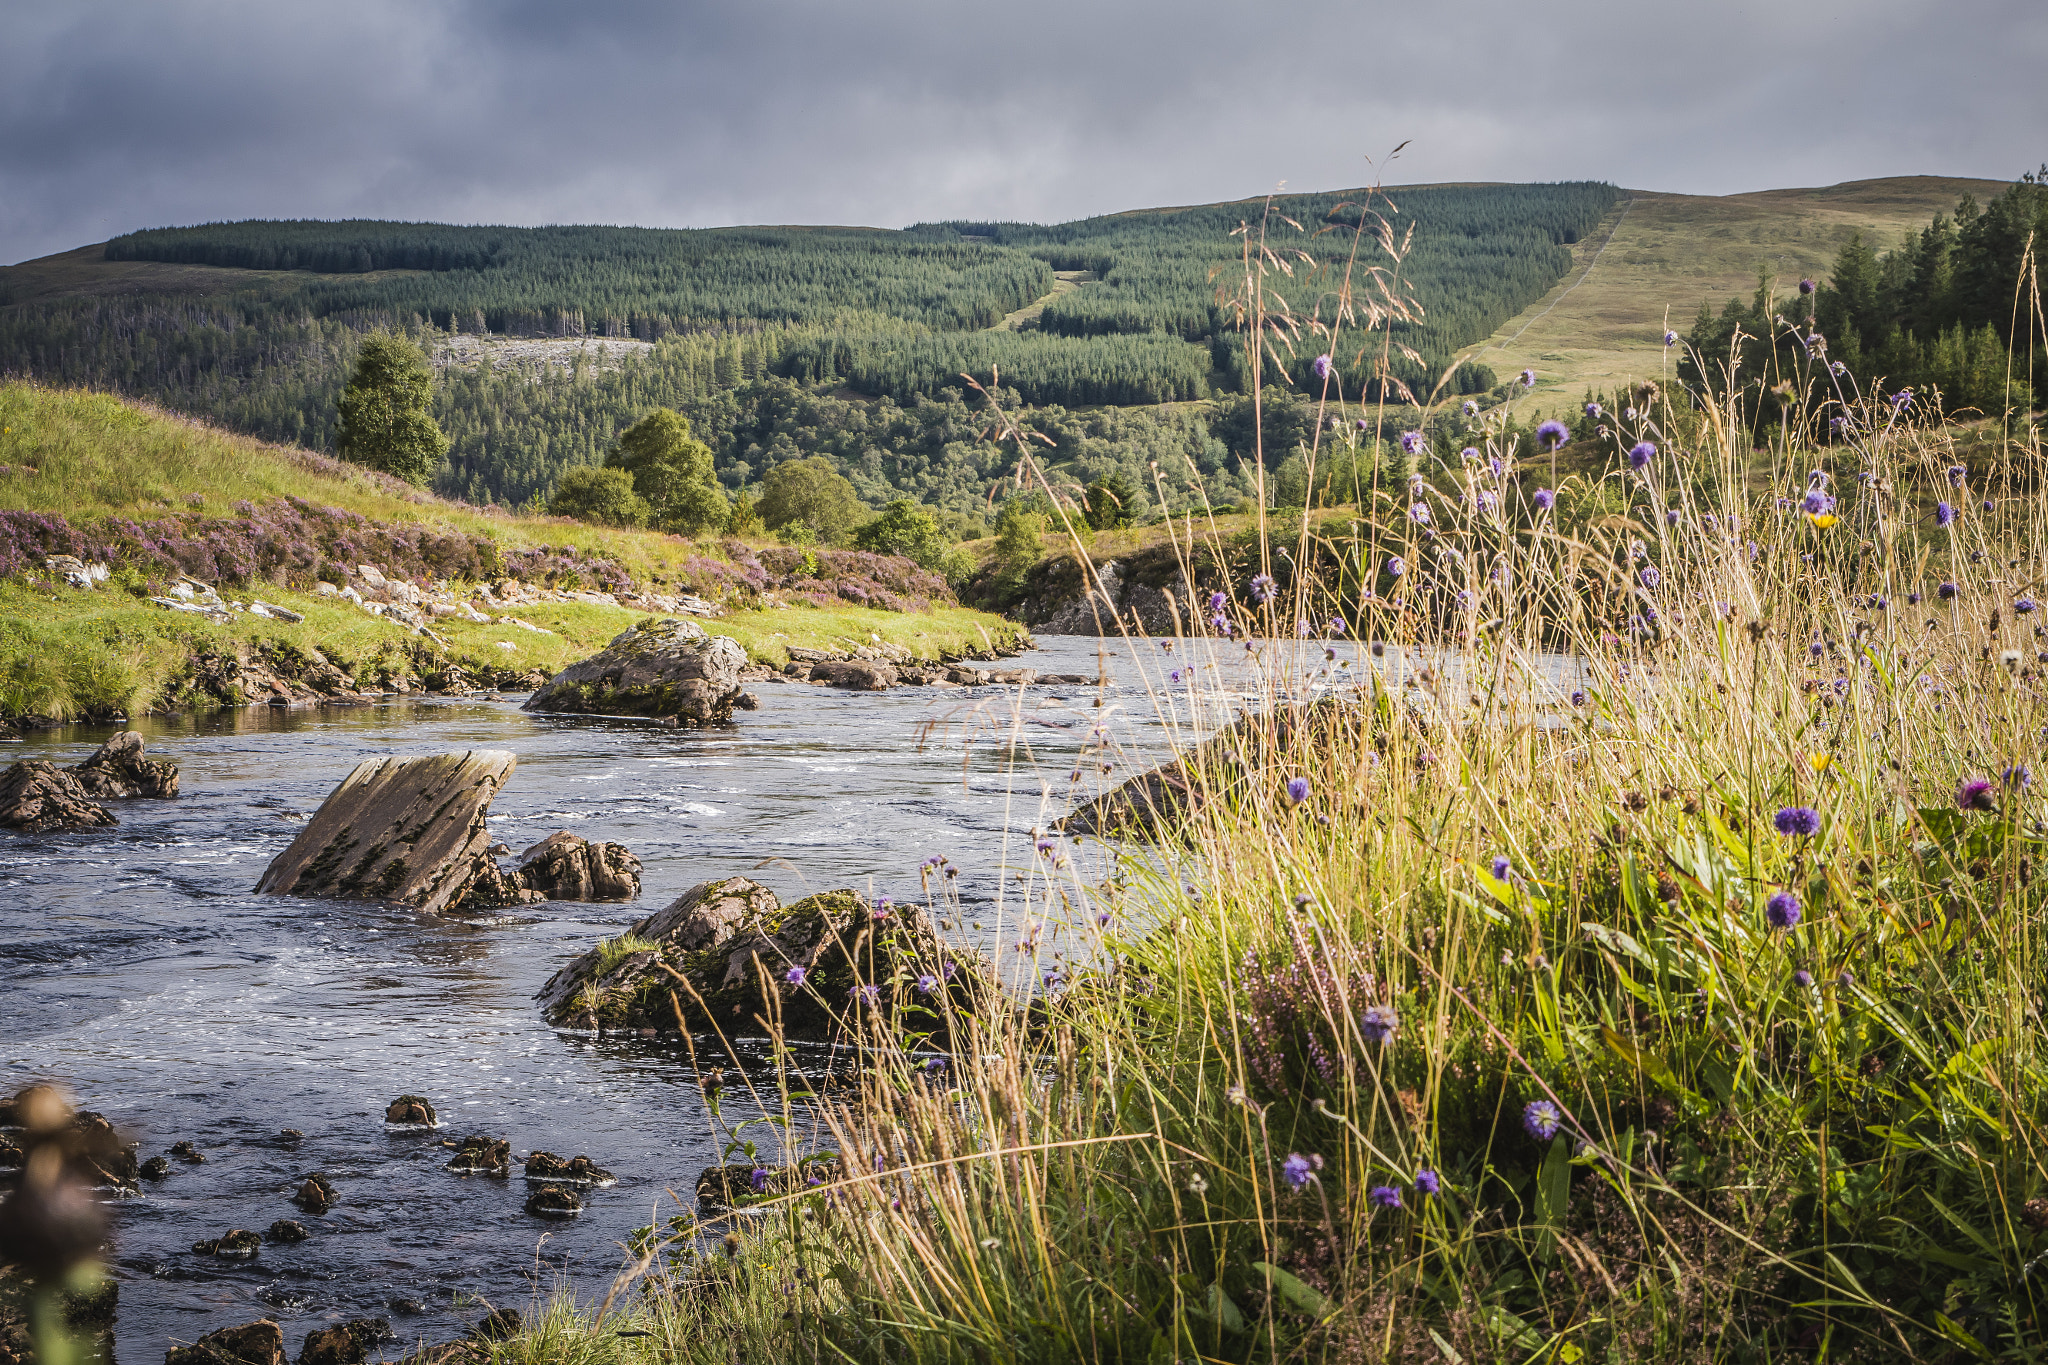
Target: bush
[604, 496]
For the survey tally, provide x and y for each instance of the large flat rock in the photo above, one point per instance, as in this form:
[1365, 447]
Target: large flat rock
[407, 830]
[668, 669]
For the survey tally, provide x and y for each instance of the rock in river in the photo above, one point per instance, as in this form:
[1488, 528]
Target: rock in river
[120, 772]
[554, 1201]
[235, 1243]
[563, 867]
[576, 1171]
[822, 958]
[345, 1343]
[287, 1230]
[40, 798]
[316, 1194]
[480, 1155]
[666, 669]
[411, 1111]
[253, 1343]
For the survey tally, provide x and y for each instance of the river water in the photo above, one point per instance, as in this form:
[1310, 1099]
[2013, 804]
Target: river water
[140, 972]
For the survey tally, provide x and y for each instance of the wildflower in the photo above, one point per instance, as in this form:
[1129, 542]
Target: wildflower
[1364, 425]
[1782, 910]
[1197, 1185]
[927, 983]
[1671, 517]
[1384, 1197]
[1975, 795]
[2024, 606]
[1297, 790]
[1593, 411]
[1578, 699]
[1552, 434]
[1528, 379]
[1411, 442]
[1798, 820]
[935, 1064]
[1912, 599]
[1499, 867]
[1378, 1023]
[1806, 286]
[759, 1179]
[1649, 576]
[1640, 454]
[1264, 589]
[883, 906]
[1336, 626]
[1946, 591]
[1300, 1170]
[865, 994]
[1802, 978]
[1540, 1119]
[1816, 502]
[1321, 365]
[1217, 601]
[1671, 338]
[1544, 499]
[1986, 505]
[795, 976]
[1052, 978]
[1956, 475]
[1470, 407]
[1819, 762]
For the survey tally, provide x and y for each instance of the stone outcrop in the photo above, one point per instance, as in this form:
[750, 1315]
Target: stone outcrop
[287, 1230]
[713, 956]
[411, 1111]
[554, 1201]
[316, 1194]
[580, 1170]
[235, 1244]
[407, 830]
[563, 867]
[253, 1343]
[345, 1343]
[480, 1155]
[37, 797]
[666, 669]
[857, 675]
[119, 772]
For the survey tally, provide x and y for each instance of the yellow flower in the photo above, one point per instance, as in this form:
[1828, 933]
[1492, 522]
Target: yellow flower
[1820, 762]
[1822, 519]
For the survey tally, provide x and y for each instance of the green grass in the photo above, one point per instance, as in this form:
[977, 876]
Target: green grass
[1602, 328]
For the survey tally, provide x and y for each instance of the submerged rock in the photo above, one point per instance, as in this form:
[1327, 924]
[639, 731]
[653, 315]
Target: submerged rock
[479, 1155]
[316, 1194]
[858, 675]
[407, 830]
[564, 867]
[345, 1343]
[714, 956]
[156, 1168]
[287, 1230]
[665, 669]
[237, 1243]
[37, 797]
[411, 1111]
[253, 1343]
[99, 1155]
[576, 1171]
[187, 1153]
[120, 772]
[554, 1201]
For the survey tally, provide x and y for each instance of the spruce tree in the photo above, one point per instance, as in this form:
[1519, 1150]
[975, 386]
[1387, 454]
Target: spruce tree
[386, 414]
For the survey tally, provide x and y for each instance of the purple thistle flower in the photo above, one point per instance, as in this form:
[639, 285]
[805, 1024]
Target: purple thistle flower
[1802, 978]
[1300, 1170]
[1411, 441]
[1946, 591]
[1671, 338]
[1798, 820]
[1975, 795]
[1956, 475]
[1806, 286]
[1540, 1120]
[1297, 790]
[1378, 1023]
[1551, 434]
[1321, 365]
[1544, 499]
[1528, 379]
[1782, 910]
[1384, 1197]
[1671, 516]
[795, 976]
[1499, 867]
[1640, 454]
[1396, 566]
[1470, 407]
[1264, 589]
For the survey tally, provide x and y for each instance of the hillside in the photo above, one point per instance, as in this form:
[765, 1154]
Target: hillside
[1660, 256]
[490, 600]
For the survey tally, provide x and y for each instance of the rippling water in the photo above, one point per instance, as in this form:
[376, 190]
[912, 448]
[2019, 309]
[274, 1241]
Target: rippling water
[138, 970]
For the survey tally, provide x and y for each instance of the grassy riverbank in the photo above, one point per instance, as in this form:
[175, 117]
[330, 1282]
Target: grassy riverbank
[152, 495]
[1688, 1010]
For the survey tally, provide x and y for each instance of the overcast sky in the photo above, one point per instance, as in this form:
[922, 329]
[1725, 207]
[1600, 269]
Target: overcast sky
[122, 114]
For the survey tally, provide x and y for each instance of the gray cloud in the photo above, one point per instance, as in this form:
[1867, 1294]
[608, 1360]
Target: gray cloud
[119, 114]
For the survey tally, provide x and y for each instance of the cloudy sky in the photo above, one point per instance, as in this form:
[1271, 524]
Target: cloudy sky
[122, 114]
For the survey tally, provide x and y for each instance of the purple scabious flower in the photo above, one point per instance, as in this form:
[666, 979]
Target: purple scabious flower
[927, 983]
[1427, 1184]
[1986, 505]
[1578, 699]
[1384, 1197]
[1912, 599]
[1671, 338]
[1640, 454]
[1297, 790]
[1336, 626]
[1419, 514]
[1264, 589]
[1806, 286]
[1499, 867]
[1816, 503]
[1649, 576]
[1528, 379]
[1671, 516]
[1798, 820]
[1411, 442]
[2017, 775]
[1975, 794]
[1396, 566]
[1544, 499]
[1470, 407]
[2024, 606]
[1946, 591]
[1321, 365]
[1299, 1170]
[1378, 1023]
[865, 994]
[1541, 1119]
[1551, 434]
[1217, 601]
[795, 976]
[1593, 411]
[759, 1179]
[1782, 910]
[1364, 425]
[1802, 978]
[1956, 475]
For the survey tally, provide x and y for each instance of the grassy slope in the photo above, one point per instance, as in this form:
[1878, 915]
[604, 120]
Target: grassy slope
[1602, 327]
[88, 456]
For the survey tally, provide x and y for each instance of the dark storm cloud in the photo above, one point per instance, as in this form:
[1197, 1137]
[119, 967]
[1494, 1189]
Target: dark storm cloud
[118, 114]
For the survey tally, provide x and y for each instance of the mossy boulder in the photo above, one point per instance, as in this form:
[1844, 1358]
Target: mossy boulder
[669, 669]
[728, 954]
